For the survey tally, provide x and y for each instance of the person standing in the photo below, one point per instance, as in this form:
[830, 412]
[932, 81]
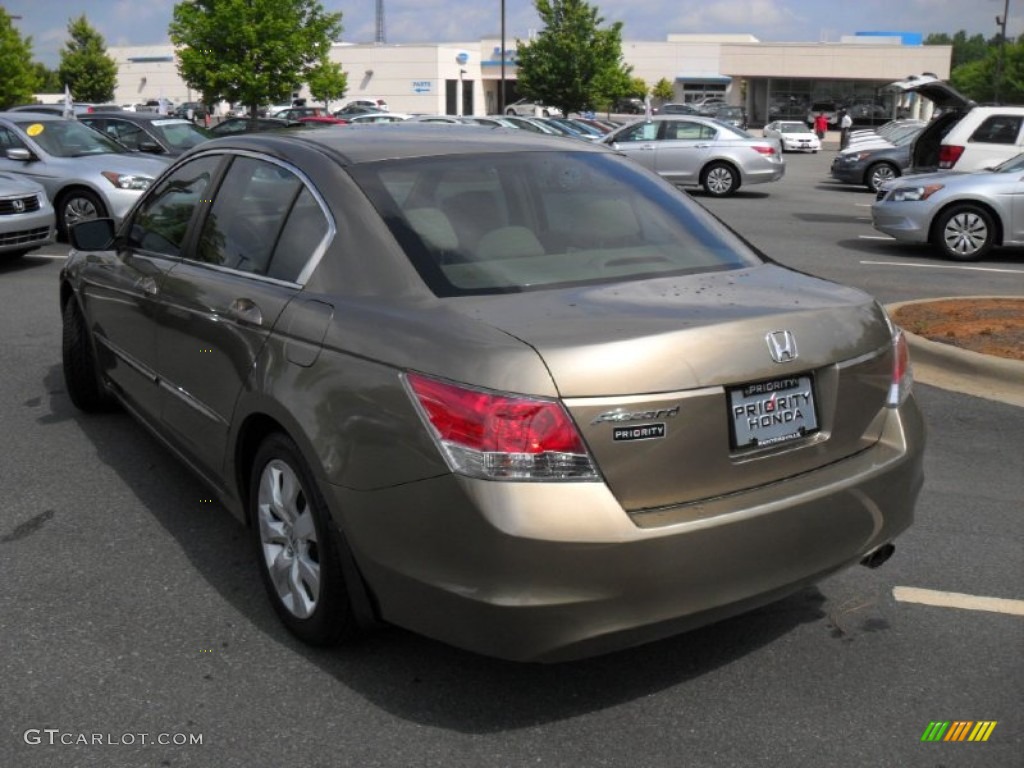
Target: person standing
[821, 125]
[845, 124]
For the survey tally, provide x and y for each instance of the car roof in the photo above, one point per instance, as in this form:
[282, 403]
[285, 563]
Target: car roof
[390, 141]
[133, 117]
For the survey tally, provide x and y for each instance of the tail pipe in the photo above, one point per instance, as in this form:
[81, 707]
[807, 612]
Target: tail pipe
[878, 556]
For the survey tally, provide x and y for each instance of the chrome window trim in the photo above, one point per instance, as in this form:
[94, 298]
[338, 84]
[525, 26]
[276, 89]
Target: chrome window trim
[318, 253]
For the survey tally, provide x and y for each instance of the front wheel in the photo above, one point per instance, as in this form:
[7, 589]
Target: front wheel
[964, 232]
[81, 372]
[298, 557]
[78, 205]
[720, 180]
[878, 174]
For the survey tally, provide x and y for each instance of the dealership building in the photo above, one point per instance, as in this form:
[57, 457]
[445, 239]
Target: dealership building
[771, 80]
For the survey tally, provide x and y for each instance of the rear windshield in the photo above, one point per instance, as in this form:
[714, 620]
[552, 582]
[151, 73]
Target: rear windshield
[499, 223]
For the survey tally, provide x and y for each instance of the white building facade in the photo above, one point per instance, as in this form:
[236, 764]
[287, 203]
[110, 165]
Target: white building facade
[772, 80]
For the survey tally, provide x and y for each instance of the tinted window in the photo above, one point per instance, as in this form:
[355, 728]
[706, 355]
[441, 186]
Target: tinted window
[247, 216]
[530, 220]
[639, 132]
[161, 222]
[998, 129]
[304, 234]
[680, 130]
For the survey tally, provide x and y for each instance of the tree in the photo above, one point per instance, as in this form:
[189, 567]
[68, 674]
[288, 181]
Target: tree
[17, 77]
[48, 80]
[327, 82]
[663, 91]
[637, 87]
[251, 52]
[573, 64]
[965, 50]
[85, 66]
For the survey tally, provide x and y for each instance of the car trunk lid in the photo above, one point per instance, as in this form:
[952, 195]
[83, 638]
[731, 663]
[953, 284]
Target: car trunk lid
[670, 380]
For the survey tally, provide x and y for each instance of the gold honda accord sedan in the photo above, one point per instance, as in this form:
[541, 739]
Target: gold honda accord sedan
[512, 392]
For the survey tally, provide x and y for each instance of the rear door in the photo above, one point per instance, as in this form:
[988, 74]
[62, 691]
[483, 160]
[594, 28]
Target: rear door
[683, 148]
[263, 226]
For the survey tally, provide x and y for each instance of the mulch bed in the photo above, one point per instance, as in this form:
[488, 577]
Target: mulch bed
[989, 326]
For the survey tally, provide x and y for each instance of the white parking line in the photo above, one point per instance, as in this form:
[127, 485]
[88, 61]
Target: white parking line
[957, 600]
[943, 266]
[875, 237]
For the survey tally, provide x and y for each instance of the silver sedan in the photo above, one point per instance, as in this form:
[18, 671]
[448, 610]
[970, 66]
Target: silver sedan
[26, 216]
[691, 150]
[963, 215]
[85, 174]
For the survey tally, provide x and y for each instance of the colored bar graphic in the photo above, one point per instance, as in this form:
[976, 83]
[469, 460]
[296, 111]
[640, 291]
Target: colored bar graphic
[935, 731]
[959, 730]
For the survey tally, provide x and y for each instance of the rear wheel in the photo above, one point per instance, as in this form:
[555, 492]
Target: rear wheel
[964, 232]
[298, 556]
[81, 373]
[78, 205]
[878, 174]
[720, 180]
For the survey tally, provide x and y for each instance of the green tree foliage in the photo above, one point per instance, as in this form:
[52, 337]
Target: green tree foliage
[17, 77]
[48, 80]
[637, 87]
[327, 82]
[663, 91]
[977, 79]
[85, 66]
[573, 64]
[965, 49]
[251, 52]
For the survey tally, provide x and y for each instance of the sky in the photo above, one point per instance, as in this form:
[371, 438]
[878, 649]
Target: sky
[144, 22]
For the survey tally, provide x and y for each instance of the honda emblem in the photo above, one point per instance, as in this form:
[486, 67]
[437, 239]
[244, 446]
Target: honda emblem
[781, 346]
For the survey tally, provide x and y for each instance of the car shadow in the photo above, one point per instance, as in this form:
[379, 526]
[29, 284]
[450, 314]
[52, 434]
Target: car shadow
[740, 194]
[404, 674]
[1010, 257]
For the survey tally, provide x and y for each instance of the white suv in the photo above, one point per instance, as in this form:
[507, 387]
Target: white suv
[964, 137]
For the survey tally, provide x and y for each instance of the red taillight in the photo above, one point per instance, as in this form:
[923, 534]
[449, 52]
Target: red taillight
[490, 435]
[764, 149]
[949, 154]
[902, 375]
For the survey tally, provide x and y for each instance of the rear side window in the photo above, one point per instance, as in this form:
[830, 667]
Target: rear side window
[998, 129]
[263, 221]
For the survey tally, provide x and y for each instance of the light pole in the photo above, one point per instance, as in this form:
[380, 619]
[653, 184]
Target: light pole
[1001, 23]
[501, 82]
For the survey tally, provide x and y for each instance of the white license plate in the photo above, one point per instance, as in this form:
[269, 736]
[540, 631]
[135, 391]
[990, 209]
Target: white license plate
[771, 412]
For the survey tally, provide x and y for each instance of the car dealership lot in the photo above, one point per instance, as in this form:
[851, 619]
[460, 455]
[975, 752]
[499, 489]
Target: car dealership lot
[131, 606]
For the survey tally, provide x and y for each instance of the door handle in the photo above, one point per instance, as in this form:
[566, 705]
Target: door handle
[246, 310]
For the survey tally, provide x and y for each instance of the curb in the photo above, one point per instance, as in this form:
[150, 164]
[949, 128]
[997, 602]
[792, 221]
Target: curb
[961, 370]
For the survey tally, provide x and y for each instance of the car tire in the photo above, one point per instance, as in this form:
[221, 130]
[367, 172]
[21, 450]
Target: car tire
[720, 180]
[964, 232]
[296, 550]
[879, 173]
[81, 373]
[76, 205]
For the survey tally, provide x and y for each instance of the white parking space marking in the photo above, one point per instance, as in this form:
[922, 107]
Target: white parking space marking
[940, 266]
[875, 237]
[958, 600]
[53, 256]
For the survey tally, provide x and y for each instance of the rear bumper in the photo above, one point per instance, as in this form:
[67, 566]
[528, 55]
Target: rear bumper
[770, 172]
[550, 572]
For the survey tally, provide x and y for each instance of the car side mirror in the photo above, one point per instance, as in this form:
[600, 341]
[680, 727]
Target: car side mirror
[150, 146]
[92, 235]
[19, 153]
